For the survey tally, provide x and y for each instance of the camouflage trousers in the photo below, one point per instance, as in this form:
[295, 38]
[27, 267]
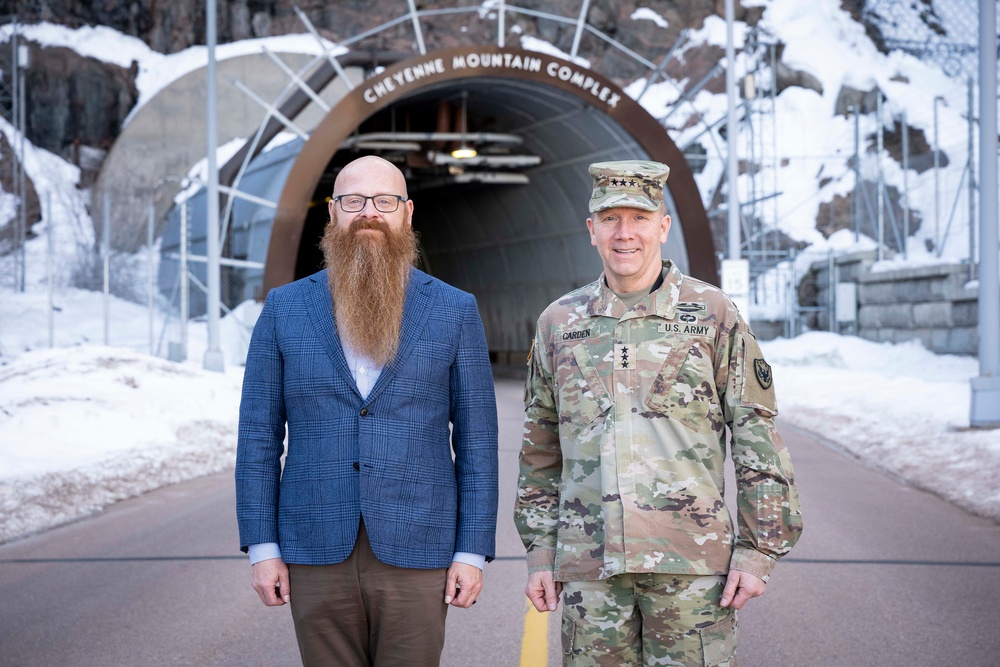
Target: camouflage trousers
[648, 619]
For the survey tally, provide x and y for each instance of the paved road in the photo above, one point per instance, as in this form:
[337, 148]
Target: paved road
[885, 575]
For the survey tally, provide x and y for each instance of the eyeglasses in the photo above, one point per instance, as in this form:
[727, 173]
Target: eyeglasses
[383, 203]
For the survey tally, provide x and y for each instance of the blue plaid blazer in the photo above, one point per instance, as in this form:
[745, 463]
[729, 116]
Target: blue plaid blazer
[424, 492]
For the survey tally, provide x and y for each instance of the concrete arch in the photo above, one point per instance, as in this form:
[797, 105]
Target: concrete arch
[167, 136]
[499, 66]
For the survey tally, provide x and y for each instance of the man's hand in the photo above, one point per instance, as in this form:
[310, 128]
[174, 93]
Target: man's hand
[543, 591]
[464, 584]
[740, 587]
[270, 579]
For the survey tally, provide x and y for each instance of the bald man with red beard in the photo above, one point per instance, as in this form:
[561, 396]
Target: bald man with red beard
[384, 512]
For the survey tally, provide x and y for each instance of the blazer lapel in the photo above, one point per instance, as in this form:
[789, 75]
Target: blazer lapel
[319, 304]
[416, 309]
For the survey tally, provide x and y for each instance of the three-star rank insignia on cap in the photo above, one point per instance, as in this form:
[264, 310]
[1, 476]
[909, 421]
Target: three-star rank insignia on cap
[762, 371]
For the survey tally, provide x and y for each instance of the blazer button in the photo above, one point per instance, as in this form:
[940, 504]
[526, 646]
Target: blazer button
[356, 466]
[364, 412]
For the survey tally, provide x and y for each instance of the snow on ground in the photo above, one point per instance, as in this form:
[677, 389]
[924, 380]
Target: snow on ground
[87, 425]
[899, 408]
[83, 427]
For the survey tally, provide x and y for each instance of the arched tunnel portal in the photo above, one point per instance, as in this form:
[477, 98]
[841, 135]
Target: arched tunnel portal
[509, 225]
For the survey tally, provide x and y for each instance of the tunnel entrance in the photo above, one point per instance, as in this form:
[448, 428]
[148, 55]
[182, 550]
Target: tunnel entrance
[509, 224]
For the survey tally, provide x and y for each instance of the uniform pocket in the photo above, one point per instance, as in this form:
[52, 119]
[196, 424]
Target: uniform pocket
[582, 395]
[568, 634]
[684, 388]
[718, 642]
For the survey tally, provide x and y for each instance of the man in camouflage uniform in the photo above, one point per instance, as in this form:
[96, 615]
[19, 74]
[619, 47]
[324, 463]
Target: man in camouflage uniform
[632, 382]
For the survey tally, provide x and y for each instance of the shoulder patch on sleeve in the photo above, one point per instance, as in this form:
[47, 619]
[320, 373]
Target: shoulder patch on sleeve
[762, 371]
[533, 380]
[757, 378]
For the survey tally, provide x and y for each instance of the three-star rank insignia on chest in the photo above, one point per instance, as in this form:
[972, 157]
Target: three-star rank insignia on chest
[625, 357]
[762, 371]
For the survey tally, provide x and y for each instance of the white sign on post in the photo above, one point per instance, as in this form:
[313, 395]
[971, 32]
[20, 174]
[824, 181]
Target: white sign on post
[736, 284]
[847, 302]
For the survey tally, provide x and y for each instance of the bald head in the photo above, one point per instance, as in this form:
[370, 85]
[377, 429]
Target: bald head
[370, 175]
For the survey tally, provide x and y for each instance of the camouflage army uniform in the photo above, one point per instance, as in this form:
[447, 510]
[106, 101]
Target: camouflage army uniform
[624, 440]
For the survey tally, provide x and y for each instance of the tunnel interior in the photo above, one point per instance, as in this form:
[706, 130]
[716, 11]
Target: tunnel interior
[509, 225]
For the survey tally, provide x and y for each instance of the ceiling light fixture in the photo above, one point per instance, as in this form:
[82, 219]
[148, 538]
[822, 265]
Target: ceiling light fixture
[464, 151]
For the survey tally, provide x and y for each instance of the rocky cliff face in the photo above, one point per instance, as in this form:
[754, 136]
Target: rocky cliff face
[76, 105]
[169, 26]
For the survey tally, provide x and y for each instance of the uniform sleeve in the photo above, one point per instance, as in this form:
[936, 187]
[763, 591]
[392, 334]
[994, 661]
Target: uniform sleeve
[768, 511]
[536, 510]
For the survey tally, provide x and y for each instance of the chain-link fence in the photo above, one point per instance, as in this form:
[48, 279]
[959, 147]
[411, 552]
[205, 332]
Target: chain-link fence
[926, 176]
[899, 177]
[87, 282]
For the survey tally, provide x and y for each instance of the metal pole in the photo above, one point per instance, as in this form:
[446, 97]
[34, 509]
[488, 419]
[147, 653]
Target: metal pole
[50, 268]
[774, 140]
[733, 212]
[414, 17]
[972, 182]
[880, 133]
[22, 230]
[751, 93]
[501, 23]
[751, 162]
[830, 292]
[149, 272]
[184, 281]
[106, 252]
[16, 165]
[213, 355]
[790, 305]
[937, 176]
[857, 173]
[985, 408]
[906, 184]
[580, 23]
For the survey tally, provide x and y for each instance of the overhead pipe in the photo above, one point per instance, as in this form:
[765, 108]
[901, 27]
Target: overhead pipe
[484, 137]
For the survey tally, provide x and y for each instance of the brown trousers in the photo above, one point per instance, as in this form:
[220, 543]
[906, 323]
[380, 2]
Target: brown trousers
[364, 613]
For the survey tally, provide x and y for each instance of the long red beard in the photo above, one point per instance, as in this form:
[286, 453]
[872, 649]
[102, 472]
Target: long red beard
[368, 274]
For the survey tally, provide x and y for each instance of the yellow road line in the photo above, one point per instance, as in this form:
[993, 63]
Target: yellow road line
[535, 641]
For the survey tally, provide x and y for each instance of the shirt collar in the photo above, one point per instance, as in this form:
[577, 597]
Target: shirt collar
[662, 302]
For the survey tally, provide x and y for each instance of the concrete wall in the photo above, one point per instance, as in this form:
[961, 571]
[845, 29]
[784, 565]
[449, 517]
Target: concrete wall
[167, 136]
[928, 303]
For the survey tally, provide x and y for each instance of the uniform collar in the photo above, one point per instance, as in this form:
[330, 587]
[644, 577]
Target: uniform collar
[662, 303]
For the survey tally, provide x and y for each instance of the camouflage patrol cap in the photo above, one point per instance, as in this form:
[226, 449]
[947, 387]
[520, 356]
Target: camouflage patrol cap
[634, 183]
